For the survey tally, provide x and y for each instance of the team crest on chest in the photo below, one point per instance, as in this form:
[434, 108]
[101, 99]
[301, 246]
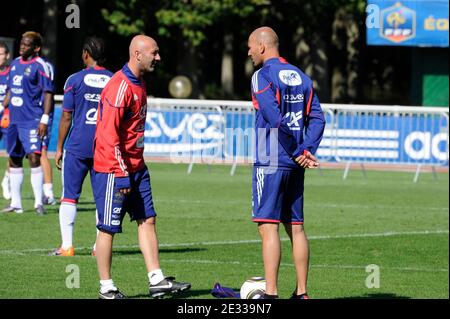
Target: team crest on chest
[27, 71]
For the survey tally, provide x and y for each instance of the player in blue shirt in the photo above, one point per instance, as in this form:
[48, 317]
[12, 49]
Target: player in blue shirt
[49, 198]
[4, 72]
[81, 96]
[29, 80]
[289, 125]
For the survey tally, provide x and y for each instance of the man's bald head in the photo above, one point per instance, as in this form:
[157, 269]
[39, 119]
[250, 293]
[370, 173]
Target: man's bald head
[266, 36]
[262, 45]
[144, 53]
[140, 43]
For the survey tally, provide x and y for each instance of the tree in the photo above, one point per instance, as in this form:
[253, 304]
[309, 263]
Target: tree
[318, 35]
[188, 22]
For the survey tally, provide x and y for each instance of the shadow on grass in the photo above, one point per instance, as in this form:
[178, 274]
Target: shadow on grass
[86, 209]
[181, 295]
[377, 296]
[123, 252]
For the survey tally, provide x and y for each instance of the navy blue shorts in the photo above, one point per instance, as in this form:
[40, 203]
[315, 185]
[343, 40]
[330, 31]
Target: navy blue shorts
[74, 171]
[112, 204]
[46, 139]
[23, 140]
[277, 195]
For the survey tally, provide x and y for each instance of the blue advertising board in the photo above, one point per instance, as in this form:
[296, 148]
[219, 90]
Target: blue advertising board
[381, 138]
[421, 23]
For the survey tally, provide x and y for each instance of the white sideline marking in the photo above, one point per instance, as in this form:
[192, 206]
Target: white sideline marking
[197, 201]
[195, 261]
[238, 242]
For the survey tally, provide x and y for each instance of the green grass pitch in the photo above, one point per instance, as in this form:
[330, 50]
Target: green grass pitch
[206, 236]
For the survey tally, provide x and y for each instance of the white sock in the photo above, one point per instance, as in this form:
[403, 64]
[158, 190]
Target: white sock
[155, 276]
[6, 177]
[37, 178]
[67, 215]
[16, 180]
[48, 190]
[106, 285]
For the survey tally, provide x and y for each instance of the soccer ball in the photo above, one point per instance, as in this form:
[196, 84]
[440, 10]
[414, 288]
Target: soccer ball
[253, 288]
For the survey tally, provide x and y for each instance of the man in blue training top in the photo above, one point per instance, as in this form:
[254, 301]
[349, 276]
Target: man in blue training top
[47, 188]
[4, 76]
[75, 149]
[29, 80]
[289, 125]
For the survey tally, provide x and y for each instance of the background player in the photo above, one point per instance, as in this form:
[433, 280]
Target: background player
[29, 79]
[81, 96]
[4, 72]
[49, 198]
[284, 100]
[121, 178]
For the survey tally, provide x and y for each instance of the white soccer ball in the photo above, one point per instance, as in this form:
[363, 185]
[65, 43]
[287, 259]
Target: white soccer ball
[253, 288]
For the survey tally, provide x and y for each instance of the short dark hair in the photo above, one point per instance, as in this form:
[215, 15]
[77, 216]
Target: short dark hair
[35, 36]
[96, 48]
[4, 46]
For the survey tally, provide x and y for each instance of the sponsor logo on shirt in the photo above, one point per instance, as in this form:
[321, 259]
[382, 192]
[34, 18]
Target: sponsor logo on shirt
[295, 117]
[16, 101]
[92, 97]
[294, 98]
[143, 111]
[27, 71]
[17, 80]
[290, 77]
[140, 142]
[140, 127]
[91, 116]
[17, 90]
[3, 89]
[96, 80]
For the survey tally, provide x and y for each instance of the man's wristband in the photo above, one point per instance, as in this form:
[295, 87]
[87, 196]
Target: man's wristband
[45, 118]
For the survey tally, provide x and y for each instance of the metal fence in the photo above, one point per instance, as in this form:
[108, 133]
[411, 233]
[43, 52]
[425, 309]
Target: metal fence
[210, 131]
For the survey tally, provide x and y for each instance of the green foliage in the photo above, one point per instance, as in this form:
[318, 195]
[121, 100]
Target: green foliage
[125, 18]
[193, 17]
[188, 18]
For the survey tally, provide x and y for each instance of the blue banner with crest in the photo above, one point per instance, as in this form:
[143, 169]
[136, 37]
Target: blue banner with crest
[422, 23]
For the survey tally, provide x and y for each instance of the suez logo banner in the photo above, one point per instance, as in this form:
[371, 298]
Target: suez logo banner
[373, 138]
[171, 132]
[407, 139]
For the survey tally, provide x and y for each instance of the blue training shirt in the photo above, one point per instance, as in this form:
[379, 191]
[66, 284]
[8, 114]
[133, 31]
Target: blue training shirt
[4, 83]
[28, 81]
[51, 71]
[81, 96]
[284, 100]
